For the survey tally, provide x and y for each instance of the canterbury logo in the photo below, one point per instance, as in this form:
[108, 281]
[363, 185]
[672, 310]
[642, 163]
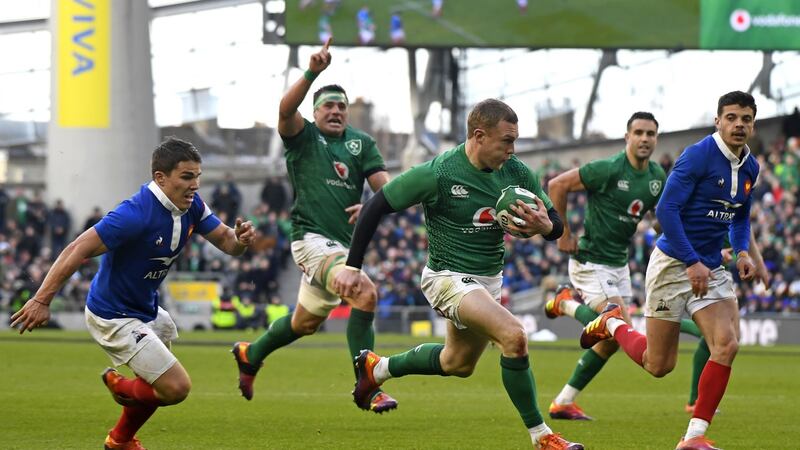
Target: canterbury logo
[459, 191]
[468, 280]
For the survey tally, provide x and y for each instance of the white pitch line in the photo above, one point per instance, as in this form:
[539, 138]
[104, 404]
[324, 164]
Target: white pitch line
[417, 8]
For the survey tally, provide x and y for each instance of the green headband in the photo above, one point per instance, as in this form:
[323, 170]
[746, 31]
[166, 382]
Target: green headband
[330, 96]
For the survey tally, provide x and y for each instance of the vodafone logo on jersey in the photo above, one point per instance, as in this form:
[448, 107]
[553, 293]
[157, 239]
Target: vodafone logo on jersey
[341, 170]
[740, 20]
[484, 217]
[635, 208]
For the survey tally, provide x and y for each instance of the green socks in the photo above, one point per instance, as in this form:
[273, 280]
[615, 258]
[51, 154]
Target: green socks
[588, 366]
[585, 314]
[278, 335]
[360, 334]
[521, 387]
[701, 356]
[420, 360]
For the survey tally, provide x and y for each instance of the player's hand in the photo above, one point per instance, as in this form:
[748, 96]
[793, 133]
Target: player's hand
[536, 220]
[354, 211]
[347, 283]
[747, 270]
[699, 275]
[322, 59]
[32, 314]
[727, 256]
[568, 244]
[245, 233]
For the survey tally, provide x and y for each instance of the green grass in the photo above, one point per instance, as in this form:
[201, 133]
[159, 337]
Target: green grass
[52, 397]
[482, 23]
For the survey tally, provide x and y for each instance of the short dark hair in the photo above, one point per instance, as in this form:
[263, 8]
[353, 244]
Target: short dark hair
[488, 113]
[642, 115]
[171, 152]
[328, 88]
[740, 98]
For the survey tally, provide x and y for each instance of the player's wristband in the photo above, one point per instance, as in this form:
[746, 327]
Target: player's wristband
[309, 75]
[351, 268]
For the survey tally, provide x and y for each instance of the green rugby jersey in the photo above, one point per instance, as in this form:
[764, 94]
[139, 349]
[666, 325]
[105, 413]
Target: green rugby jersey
[619, 196]
[327, 175]
[458, 201]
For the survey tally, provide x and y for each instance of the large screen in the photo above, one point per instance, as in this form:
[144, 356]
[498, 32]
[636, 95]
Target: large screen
[669, 24]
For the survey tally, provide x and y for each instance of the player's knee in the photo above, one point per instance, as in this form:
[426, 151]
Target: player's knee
[175, 391]
[660, 370]
[461, 370]
[606, 348]
[367, 299]
[306, 328]
[725, 352]
[514, 341]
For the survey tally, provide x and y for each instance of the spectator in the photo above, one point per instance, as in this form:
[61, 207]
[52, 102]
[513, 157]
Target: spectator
[274, 194]
[60, 223]
[97, 215]
[227, 198]
[276, 309]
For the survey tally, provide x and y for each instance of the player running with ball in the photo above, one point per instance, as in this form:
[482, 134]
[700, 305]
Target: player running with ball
[463, 275]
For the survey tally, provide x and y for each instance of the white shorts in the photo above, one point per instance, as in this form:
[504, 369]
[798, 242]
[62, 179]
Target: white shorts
[445, 289]
[398, 35]
[141, 346]
[312, 251]
[309, 254]
[366, 36]
[598, 282]
[669, 291]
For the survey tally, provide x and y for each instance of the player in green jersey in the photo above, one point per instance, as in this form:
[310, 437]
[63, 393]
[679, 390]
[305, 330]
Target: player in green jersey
[463, 276]
[621, 189]
[327, 161]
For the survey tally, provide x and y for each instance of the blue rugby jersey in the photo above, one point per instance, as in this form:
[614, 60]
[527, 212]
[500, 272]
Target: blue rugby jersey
[144, 235]
[707, 196]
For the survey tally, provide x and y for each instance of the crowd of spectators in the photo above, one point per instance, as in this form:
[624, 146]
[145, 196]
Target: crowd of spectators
[32, 234]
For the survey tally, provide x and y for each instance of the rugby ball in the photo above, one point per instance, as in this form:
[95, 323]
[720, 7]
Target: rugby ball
[505, 215]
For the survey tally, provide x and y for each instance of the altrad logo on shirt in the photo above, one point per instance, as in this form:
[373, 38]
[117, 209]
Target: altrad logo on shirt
[166, 260]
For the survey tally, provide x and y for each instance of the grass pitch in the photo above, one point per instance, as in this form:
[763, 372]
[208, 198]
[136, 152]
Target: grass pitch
[52, 397]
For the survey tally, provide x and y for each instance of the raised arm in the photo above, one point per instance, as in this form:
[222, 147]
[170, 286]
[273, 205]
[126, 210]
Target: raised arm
[290, 122]
[36, 312]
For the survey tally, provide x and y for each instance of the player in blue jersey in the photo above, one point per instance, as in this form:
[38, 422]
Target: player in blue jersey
[396, 31]
[139, 241]
[706, 198]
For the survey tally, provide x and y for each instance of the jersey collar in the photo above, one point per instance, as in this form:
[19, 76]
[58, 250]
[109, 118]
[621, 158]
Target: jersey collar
[165, 201]
[723, 147]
